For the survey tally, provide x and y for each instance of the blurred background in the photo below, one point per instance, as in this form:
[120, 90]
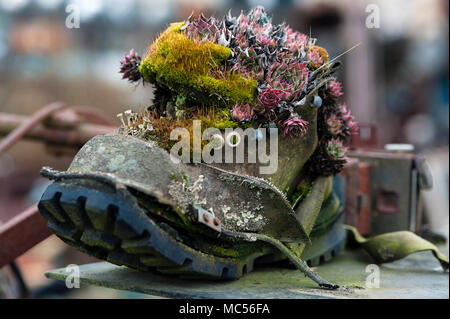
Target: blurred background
[396, 80]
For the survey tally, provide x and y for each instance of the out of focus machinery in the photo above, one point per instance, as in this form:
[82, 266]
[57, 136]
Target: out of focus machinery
[383, 186]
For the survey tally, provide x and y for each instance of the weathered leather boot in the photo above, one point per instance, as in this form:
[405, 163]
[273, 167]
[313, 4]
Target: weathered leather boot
[240, 84]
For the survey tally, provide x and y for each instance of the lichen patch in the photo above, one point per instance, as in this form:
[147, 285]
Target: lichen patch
[185, 193]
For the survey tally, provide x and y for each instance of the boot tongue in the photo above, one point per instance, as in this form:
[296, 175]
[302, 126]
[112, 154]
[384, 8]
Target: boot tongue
[251, 204]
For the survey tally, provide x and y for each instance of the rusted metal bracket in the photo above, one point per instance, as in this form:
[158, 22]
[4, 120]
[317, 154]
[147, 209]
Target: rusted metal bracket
[207, 218]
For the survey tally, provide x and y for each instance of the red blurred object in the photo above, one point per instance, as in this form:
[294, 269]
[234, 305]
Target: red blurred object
[358, 195]
[21, 233]
[367, 137]
[387, 188]
[63, 130]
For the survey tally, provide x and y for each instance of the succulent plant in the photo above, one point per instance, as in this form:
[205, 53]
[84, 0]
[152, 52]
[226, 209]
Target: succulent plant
[129, 66]
[296, 42]
[334, 125]
[248, 65]
[335, 88]
[251, 70]
[202, 28]
[350, 126]
[270, 98]
[336, 149]
[242, 113]
[289, 78]
[320, 163]
[317, 56]
[294, 127]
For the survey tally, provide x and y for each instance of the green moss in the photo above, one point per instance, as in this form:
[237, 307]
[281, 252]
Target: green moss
[220, 121]
[162, 127]
[175, 61]
[187, 180]
[186, 222]
[176, 177]
[239, 250]
[302, 191]
[323, 53]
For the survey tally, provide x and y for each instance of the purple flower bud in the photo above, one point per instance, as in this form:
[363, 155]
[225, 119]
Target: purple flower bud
[129, 66]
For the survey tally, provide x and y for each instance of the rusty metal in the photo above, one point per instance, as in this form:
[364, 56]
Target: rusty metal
[358, 195]
[387, 201]
[395, 190]
[21, 233]
[70, 117]
[76, 136]
[27, 125]
[63, 130]
[367, 137]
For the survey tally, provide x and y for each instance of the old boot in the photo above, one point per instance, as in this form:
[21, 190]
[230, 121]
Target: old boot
[230, 166]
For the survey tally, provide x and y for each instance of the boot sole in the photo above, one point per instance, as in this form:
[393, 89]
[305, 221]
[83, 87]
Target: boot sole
[109, 224]
[113, 227]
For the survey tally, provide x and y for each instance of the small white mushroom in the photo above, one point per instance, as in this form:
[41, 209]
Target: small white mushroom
[120, 117]
[128, 115]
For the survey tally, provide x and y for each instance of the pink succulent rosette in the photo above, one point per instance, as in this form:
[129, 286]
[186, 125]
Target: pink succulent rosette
[286, 67]
[294, 127]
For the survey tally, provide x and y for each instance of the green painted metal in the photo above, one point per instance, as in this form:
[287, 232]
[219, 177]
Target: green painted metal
[412, 277]
[394, 246]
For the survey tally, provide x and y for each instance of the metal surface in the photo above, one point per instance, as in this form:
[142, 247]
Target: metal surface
[394, 246]
[393, 189]
[358, 195]
[63, 130]
[207, 218]
[417, 276]
[27, 125]
[75, 136]
[21, 233]
[367, 137]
